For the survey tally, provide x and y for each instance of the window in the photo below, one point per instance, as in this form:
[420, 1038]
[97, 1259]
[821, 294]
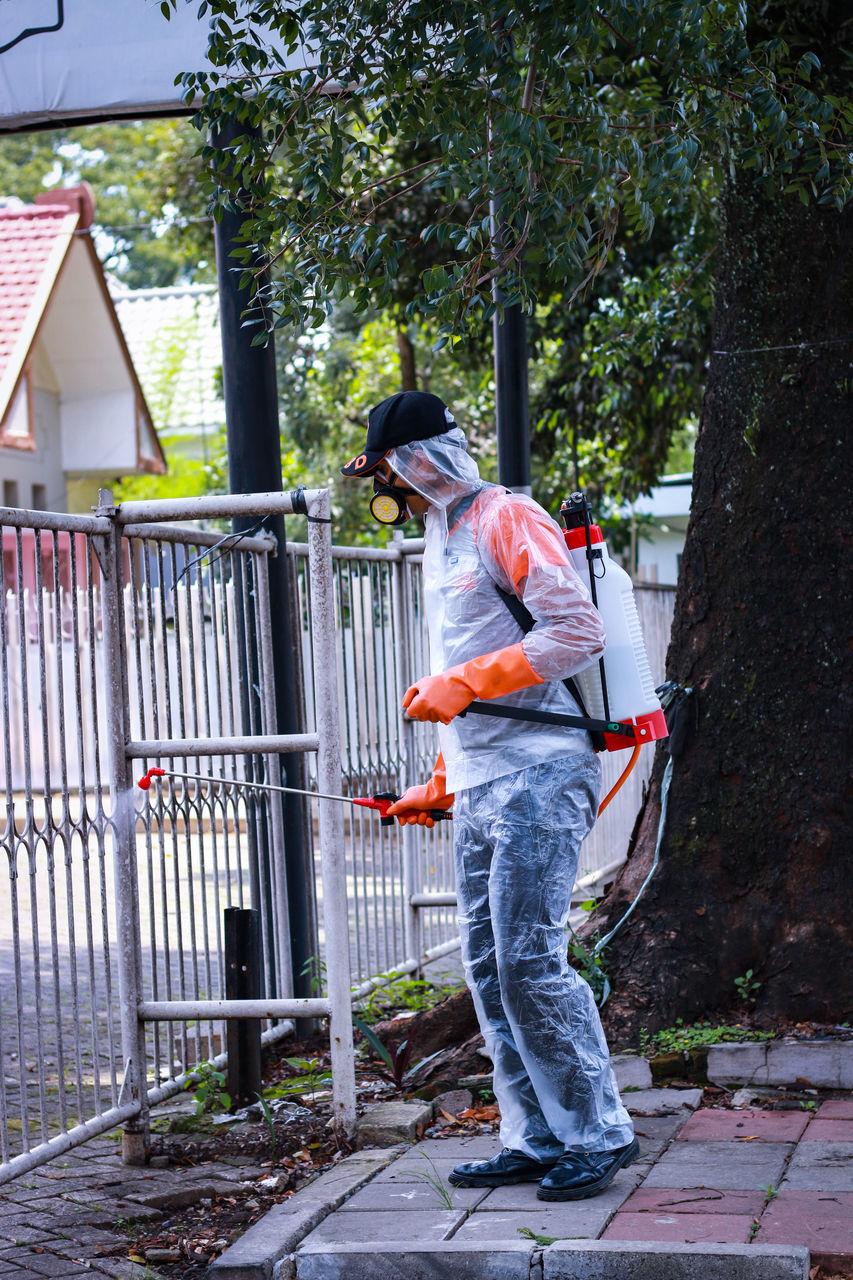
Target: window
[10, 493]
[39, 497]
[16, 429]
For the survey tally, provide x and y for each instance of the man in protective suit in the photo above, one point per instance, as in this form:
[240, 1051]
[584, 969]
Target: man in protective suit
[523, 794]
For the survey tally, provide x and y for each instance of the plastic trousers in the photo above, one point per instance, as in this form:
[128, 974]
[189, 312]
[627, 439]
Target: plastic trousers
[517, 842]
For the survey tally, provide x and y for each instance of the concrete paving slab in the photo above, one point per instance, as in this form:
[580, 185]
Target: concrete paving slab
[522, 1196]
[618, 1260]
[481, 1146]
[823, 1222]
[823, 1064]
[662, 1102]
[820, 1166]
[764, 1126]
[631, 1072]
[573, 1220]
[279, 1232]
[387, 1123]
[694, 1200]
[654, 1133]
[828, 1129]
[835, 1109]
[404, 1198]
[409, 1169]
[688, 1228]
[421, 1225]
[384, 1261]
[750, 1166]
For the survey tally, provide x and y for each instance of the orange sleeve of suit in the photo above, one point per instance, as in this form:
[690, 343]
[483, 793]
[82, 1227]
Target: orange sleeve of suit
[524, 551]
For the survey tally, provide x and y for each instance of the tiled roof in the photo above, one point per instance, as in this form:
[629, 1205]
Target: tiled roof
[173, 336]
[31, 250]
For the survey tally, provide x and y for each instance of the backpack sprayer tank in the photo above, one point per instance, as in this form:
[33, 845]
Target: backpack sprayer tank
[621, 687]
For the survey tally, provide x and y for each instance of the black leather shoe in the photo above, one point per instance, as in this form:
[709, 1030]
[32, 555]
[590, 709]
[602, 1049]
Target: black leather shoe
[505, 1168]
[579, 1174]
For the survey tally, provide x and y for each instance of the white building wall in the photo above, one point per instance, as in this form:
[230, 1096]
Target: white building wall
[40, 467]
[658, 555]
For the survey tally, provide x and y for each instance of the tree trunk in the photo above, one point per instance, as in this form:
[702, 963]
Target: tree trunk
[755, 869]
[408, 371]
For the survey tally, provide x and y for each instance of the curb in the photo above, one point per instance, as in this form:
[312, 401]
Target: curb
[280, 1231]
[580, 1260]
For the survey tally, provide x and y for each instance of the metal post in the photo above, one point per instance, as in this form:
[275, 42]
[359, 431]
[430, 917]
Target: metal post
[135, 1131]
[254, 464]
[332, 843]
[243, 982]
[511, 399]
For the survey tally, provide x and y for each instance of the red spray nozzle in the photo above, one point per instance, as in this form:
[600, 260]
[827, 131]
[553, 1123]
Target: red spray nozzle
[145, 781]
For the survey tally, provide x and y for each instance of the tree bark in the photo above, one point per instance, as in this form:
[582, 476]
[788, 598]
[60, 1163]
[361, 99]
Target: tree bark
[408, 370]
[755, 869]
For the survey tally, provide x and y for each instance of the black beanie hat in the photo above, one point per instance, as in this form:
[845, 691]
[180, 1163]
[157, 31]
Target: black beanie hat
[402, 418]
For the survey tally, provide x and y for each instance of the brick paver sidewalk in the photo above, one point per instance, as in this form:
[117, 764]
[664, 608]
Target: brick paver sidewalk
[704, 1177]
[776, 1177]
[713, 1177]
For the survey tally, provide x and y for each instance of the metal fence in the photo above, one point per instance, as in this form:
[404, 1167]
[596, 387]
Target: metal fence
[121, 645]
[125, 643]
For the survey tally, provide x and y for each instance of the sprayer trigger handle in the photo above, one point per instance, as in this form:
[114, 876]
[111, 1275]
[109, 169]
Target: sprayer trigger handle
[383, 801]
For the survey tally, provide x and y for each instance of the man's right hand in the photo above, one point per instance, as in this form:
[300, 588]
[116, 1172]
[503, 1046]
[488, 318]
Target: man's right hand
[415, 803]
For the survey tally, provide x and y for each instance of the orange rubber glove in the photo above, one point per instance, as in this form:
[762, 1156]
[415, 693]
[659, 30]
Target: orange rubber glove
[443, 696]
[412, 809]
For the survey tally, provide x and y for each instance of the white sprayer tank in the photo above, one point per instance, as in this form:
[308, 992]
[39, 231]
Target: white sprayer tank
[631, 696]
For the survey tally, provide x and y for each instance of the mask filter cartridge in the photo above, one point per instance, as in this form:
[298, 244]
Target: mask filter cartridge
[388, 507]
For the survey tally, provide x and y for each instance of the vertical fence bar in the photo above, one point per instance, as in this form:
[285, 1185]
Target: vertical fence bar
[272, 765]
[412, 917]
[332, 848]
[134, 1149]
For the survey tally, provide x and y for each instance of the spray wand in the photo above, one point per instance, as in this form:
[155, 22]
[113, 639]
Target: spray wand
[381, 802]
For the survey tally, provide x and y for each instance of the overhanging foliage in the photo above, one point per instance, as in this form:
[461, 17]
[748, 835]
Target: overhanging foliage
[575, 118]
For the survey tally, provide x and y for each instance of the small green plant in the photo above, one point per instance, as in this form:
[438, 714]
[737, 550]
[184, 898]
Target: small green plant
[753, 1230]
[770, 1193]
[808, 1106]
[267, 1114]
[590, 965]
[546, 1240]
[395, 1056]
[208, 1089]
[748, 987]
[313, 1075]
[314, 969]
[680, 1038]
[434, 1179]
[403, 993]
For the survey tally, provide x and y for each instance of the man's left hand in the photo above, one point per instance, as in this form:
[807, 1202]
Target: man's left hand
[438, 698]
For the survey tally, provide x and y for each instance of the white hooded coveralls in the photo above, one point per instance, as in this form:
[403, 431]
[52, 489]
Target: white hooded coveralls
[526, 795]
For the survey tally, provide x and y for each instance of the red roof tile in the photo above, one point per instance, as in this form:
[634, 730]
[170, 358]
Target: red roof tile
[28, 238]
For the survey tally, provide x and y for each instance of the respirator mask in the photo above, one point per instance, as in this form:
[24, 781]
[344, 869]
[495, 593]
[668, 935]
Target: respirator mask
[388, 504]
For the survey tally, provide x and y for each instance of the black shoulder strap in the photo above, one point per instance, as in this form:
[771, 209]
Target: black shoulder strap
[526, 621]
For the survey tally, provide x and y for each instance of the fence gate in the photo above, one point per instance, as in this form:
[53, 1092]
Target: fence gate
[125, 643]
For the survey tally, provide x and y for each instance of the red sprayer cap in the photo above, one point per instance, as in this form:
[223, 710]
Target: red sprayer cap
[577, 537]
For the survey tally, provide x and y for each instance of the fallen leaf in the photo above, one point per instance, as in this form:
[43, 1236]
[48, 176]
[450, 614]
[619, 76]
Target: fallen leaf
[752, 1137]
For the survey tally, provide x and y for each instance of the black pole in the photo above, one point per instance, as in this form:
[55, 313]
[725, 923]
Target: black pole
[254, 465]
[511, 399]
[243, 982]
[512, 413]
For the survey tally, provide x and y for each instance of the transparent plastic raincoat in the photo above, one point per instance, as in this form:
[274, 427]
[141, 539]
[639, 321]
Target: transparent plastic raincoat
[526, 794]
